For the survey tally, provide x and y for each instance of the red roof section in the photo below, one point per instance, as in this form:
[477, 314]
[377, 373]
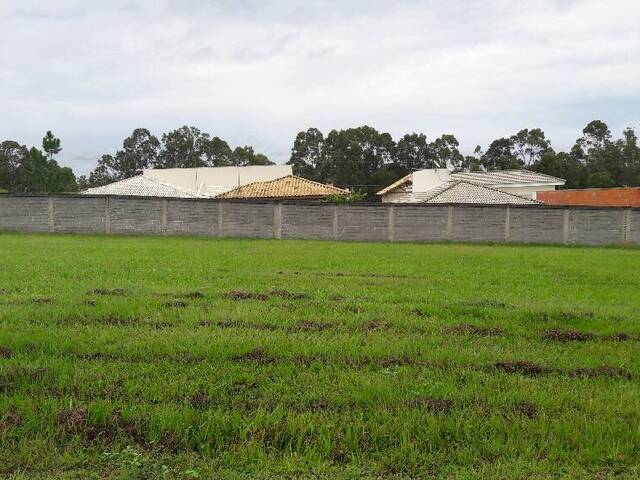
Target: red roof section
[600, 197]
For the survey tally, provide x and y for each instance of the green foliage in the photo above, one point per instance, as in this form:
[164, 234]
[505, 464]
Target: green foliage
[385, 367]
[51, 145]
[344, 199]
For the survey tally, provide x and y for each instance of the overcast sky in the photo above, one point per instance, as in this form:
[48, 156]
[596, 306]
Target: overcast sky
[257, 72]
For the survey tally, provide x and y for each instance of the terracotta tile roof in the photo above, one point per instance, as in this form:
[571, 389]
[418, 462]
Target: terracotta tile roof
[142, 186]
[404, 180]
[290, 186]
[459, 191]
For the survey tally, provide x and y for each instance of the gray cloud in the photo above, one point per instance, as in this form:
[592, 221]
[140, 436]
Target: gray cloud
[257, 72]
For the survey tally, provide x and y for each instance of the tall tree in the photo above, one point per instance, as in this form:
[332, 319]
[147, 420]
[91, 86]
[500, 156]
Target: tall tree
[528, 146]
[308, 155]
[355, 154]
[182, 148]
[446, 153]
[51, 145]
[37, 174]
[499, 155]
[245, 156]
[12, 154]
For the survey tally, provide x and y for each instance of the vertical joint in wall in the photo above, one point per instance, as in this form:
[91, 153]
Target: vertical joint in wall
[163, 217]
[51, 213]
[565, 228]
[220, 225]
[626, 226]
[449, 222]
[277, 220]
[335, 222]
[107, 215]
[392, 224]
[507, 224]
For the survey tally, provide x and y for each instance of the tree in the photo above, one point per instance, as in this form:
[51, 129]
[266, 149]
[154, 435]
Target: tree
[51, 145]
[446, 153]
[413, 152]
[308, 154]
[354, 155]
[499, 155]
[245, 156]
[528, 146]
[182, 148]
[37, 174]
[216, 153]
[12, 155]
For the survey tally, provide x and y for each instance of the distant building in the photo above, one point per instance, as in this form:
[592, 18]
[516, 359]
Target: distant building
[597, 197]
[496, 187]
[273, 182]
[205, 182]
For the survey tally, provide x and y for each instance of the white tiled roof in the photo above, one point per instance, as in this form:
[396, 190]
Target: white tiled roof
[466, 192]
[507, 177]
[142, 186]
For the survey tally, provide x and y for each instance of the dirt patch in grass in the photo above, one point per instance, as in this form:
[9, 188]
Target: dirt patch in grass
[5, 352]
[617, 337]
[601, 371]
[373, 325]
[403, 360]
[117, 320]
[118, 292]
[10, 419]
[337, 298]
[72, 420]
[90, 303]
[474, 330]
[42, 301]
[289, 295]
[257, 355]
[522, 367]
[356, 309]
[310, 359]
[568, 336]
[244, 295]
[162, 325]
[175, 304]
[443, 405]
[200, 399]
[238, 324]
[196, 294]
[525, 409]
[313, 326]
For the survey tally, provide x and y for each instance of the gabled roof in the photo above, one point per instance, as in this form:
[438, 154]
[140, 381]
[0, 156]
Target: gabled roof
[459, 191]
[407, 179]
[290, 186]
[508, 177]
[142, 186]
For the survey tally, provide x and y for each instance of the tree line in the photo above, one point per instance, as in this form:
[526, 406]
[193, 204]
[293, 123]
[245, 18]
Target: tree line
[361, 159]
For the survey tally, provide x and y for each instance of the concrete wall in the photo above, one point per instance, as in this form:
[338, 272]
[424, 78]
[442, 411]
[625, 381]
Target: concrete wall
[373, 222]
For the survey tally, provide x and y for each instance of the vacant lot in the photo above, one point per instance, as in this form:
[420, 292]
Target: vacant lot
[186, 358]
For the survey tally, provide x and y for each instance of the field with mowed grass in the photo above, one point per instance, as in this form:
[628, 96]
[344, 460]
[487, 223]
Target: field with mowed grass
[203, 358]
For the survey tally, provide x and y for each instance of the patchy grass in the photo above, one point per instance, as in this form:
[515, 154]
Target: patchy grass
[185, 358]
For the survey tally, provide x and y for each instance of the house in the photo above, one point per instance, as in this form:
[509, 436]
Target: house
[273, 182]
[205, 182]
[496, 187]
[600, 197]
[290, 187]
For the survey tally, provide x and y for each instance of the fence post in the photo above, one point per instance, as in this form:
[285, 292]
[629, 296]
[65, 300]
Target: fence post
[277, 220]
[220, 232]
[626, 226]
[449, 222]
[107, 215]
[565, 228]
[51, 212]
[507, 224]
[163, 217]
[335, 222]
[392, 224]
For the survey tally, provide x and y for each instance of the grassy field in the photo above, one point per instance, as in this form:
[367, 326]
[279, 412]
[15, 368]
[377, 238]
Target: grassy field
[200, 358]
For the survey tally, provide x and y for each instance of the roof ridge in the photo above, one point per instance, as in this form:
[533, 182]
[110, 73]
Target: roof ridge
[395, 184]
[447, 186]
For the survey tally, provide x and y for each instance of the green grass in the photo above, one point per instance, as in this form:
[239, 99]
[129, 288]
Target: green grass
[125, 358]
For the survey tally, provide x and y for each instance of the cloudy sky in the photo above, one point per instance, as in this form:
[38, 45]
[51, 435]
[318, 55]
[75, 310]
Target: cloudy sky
[257, 72]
